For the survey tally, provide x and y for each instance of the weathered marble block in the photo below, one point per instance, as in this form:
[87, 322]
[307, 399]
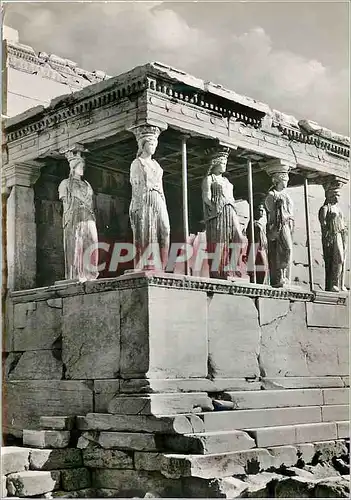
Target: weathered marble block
[91, 335]
[40, 365]
[163, 333]
[289, 348]
[37, 325]
[25, 401]
[233, 336]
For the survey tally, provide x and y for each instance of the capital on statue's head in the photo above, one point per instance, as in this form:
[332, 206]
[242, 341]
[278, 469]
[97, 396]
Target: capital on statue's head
[145, 131]
[217, 153]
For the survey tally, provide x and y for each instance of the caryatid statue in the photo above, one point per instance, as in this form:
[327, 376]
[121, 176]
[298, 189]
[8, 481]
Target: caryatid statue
[334, 237]
[223, 231]
[280, 225]
[260, 241]
[80, 238]
[148, 210]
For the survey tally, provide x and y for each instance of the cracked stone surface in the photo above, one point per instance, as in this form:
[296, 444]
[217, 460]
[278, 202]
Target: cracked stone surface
[91, 336]
[288, 348]
[36, 326]
[233, 335]
[42, 365]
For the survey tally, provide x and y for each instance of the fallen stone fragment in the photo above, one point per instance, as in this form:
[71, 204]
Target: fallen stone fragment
[294, 487]
[229, 487]
[46, 439]
[295, 471]
[326, 450]
[321, 471]
[210, 442]
[30, 483]
[261, 485]
[332, 488]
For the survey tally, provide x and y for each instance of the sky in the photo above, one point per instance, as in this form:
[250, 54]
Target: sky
[291, 55]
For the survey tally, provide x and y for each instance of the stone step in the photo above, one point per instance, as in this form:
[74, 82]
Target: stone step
[336, 396]
[210, 442]
[293, 434]
[276, 399]
[159, 404]
[30, 483]
[343, 429]
[177, 424]
[243, 419]
[251, 461]
[287, 397]
[334, 413]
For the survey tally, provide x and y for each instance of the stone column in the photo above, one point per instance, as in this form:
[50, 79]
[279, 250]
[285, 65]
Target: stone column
[334, 235]
[148, 209]
[280, 223]
[18, 181]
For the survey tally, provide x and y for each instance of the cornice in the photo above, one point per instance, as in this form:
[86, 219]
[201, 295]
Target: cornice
[162, 280]
[159, 83]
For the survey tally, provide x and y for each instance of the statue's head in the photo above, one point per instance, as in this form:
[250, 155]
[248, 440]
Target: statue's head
[147, 137]
[218, 160]
[332, 192]
[280, 180]
[76, 165]
[76, 161]
[259, 211]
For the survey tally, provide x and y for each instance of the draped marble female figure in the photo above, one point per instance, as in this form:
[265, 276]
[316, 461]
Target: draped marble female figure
[148, 209]
[223, 232]
[280, 226]
[80, 238]
[260, 242]
[334, 238]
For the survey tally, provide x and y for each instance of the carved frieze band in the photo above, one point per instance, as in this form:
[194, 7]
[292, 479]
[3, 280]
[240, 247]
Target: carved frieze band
[174, 282]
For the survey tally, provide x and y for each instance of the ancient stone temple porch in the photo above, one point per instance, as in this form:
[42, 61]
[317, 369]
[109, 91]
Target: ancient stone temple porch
[155, 382]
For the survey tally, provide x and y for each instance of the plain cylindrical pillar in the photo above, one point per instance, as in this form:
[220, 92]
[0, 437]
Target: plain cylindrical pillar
[185, 201]
[252, 255]
[308, 232]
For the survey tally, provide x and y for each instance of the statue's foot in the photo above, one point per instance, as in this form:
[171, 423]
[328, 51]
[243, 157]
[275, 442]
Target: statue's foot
[343, 289]
[335, 289]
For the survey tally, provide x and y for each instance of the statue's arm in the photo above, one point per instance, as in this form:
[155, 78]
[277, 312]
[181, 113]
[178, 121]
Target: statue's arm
[137, 177]
[322, 216]
[270, 207]
[206, 190]
[271, 217]
[62, 190]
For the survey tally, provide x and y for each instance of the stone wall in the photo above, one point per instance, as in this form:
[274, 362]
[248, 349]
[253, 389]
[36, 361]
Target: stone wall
[70, 349]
